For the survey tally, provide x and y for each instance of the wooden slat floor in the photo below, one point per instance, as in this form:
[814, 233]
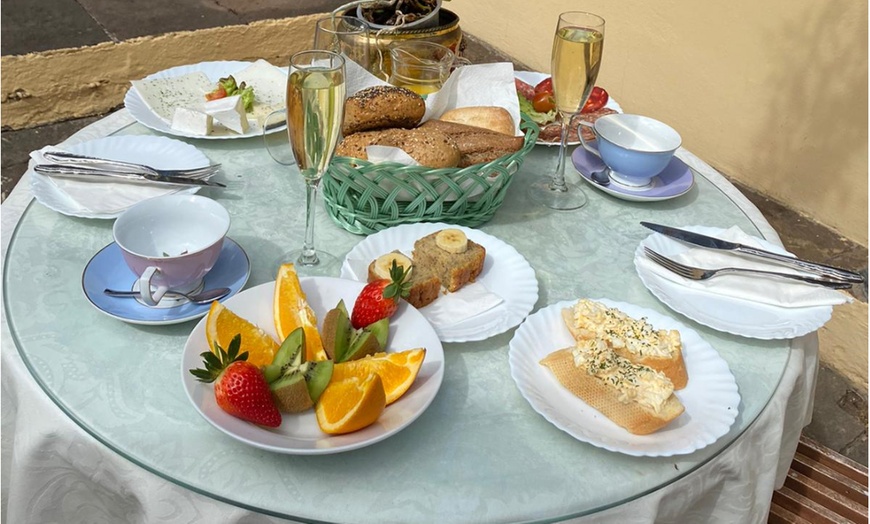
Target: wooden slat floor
[823, 487]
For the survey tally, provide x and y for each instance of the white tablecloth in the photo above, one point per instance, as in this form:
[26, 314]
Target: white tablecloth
[54, 471]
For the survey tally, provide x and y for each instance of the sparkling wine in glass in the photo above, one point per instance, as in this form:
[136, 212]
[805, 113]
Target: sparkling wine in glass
[575, 60]
[315, 109]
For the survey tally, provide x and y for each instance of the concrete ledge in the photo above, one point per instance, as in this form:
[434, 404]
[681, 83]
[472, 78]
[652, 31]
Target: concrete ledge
[53, 86]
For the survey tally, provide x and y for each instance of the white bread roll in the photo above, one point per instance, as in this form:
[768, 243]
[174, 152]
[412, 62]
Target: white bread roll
[494, 118]
[630, 338]
[642, 402]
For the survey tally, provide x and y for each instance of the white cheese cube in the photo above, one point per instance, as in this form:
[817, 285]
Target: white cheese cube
[191, 121]
[230, 112]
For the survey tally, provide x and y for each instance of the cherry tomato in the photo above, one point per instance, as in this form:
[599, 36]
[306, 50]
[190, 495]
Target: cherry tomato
[597, 98]
[544, 86]
[219, 92]
[543, 102]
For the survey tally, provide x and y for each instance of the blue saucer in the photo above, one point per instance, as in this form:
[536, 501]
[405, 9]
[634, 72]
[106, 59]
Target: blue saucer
[107, 269]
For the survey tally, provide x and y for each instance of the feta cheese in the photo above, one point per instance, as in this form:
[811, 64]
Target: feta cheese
[163, 95]
[191, 121]
[230, 112]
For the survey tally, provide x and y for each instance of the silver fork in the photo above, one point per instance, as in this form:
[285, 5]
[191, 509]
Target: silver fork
[88, 161]
[695, 273]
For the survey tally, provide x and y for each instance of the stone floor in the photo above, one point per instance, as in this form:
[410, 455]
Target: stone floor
[840, 415]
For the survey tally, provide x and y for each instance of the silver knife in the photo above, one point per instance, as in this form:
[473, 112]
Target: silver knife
[725, 245]
[84, 172]
[76, 160]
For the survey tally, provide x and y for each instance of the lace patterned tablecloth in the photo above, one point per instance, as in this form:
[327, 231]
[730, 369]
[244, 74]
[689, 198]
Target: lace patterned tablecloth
[85, 438]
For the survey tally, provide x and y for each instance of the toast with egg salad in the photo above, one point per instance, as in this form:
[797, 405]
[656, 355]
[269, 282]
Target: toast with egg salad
[637, 398]
[634, 339]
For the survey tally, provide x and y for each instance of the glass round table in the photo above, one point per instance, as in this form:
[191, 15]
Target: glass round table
[478, 453]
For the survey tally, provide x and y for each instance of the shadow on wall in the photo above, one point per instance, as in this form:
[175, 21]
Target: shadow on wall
[815, 95]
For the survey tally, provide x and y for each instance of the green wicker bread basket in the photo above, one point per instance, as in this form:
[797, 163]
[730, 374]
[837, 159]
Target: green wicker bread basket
[363, 197]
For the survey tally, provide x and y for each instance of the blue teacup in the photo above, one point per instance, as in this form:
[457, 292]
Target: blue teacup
[635, 148]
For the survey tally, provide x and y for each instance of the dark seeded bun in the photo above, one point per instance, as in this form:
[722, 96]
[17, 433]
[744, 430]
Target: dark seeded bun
[382, 107]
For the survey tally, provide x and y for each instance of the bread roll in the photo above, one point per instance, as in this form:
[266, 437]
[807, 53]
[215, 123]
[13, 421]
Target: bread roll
[430, 148]
[636, 398]
[382, 107]
[476, 145]
[493, 118]
[636, 340]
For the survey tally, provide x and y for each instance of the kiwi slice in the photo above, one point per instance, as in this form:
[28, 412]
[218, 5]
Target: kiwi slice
[295, 384]
[381, 330]
[336, 332]
[290, 393]
[290, 355]
[317, 377]
[364, 343]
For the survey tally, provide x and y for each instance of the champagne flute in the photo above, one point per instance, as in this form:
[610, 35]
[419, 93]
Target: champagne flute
[574, 64]
[345, 35]
[315, 109]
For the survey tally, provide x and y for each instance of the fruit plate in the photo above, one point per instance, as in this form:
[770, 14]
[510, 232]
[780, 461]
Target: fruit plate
[711, 398]
[299, 434]
[505, 291]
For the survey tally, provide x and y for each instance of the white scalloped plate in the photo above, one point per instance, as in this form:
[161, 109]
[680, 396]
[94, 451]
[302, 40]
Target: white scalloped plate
[97, 199]
[214, 71]
[710, 398]
[733, 315]
[505, 272]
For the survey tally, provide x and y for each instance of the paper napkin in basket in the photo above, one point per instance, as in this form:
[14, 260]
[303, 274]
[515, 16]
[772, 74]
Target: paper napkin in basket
[89, 197]
[758, 288]
[448, 309]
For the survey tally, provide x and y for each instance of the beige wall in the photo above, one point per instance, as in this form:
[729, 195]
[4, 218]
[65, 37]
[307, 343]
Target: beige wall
[771, 93]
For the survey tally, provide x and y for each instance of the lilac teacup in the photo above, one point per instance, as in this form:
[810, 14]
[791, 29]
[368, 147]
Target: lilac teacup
[171, 242]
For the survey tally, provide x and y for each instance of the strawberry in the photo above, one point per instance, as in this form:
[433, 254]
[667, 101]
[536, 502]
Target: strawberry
[380, 298]
[239, 386]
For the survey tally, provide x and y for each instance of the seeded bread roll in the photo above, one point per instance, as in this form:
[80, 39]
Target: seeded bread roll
[637, 398]
[382, 107]
[494, 118]
[476, 145]
[430, 148]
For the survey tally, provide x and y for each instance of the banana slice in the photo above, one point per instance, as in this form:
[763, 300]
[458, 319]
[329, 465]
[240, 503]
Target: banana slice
[452, 240]
[384, 262]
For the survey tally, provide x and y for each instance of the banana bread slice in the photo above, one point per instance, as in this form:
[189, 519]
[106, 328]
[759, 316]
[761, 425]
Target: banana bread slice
[424, 288]
[454, 269]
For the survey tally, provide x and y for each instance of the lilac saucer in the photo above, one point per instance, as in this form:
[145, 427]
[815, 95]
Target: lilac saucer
[676, 180]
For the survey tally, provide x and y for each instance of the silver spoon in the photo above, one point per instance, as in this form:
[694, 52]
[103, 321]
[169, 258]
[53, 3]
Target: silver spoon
[600, 177]
[200, 298]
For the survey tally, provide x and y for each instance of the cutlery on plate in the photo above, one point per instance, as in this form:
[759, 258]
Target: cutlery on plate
[204, 297]
[695, 273]
[698, 239]
[63, 157]
[85, 172]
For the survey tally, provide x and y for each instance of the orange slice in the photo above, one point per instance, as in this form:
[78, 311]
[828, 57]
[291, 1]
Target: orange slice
[222, 325]
[291, 311]
[351, 404]
[397, 370]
